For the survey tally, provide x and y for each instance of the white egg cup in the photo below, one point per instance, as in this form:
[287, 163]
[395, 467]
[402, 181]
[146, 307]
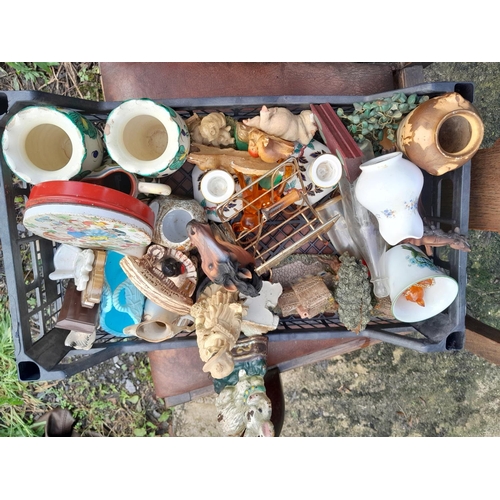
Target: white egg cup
[217, 186]
[325, 171]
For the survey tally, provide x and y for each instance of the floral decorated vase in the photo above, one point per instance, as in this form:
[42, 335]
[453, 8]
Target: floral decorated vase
[147, 138]
[389, 187]
[407, 266]
[44, 143]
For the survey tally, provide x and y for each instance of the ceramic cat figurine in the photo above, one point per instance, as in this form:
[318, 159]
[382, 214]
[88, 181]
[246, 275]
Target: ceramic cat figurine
[282, 123]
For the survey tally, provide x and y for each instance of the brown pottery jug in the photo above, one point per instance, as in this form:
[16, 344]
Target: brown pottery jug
[441, 134]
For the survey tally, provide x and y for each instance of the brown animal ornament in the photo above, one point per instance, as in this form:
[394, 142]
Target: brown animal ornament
[224, 263]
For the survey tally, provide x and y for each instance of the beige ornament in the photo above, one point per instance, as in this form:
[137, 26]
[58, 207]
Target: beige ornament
[215, 131]
[307, 298]
[229, 159]
[158, 324]
[281, 122]
[217, 315]
[93, 291]
[173, 294]
[193, 125]
[267, 147]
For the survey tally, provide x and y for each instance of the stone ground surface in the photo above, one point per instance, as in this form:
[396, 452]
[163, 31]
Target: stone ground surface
[390, 391]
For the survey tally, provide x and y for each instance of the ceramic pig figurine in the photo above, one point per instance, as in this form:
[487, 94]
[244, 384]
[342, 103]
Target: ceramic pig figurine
[282, 123]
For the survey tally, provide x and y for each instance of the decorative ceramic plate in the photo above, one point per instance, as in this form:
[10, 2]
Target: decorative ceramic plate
[311, 152]
[210, 208]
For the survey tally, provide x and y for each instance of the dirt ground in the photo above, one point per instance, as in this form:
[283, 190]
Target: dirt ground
[390, 391]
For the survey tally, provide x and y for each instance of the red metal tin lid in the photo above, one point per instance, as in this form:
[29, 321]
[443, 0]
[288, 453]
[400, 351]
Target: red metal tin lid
[92, 195]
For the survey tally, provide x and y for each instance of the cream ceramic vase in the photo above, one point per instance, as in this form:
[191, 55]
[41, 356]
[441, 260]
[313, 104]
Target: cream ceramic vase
[44, 143]
[146, 138]
[441, 134]
[389, 187]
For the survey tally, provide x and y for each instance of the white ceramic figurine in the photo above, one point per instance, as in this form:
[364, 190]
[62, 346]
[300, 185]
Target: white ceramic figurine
[282, 123]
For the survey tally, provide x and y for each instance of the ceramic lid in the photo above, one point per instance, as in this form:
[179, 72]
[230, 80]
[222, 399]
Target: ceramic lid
[89, 227]
[86, 194]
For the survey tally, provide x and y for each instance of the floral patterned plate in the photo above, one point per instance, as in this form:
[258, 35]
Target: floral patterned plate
[231, 209]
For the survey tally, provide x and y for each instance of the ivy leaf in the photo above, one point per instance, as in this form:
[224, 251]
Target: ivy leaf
[140, 432]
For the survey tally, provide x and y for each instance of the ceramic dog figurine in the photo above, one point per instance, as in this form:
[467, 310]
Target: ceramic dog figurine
[245, 409]
[224, 263]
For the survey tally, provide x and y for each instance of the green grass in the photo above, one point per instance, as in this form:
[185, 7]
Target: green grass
[98, 408]
[15, 402]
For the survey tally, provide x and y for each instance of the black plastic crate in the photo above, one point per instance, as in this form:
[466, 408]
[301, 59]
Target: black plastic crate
[35, 300]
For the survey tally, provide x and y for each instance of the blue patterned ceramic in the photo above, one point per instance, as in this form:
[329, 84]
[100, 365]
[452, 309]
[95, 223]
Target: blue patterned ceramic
[122, 304]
